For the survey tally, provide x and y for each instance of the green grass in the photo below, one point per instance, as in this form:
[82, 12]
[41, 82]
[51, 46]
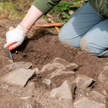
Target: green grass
[8, 9]
[62, 9]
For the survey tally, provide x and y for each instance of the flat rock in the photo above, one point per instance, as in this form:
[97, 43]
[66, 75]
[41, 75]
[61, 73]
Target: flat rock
[61, 97]
[16, 65]
[54, 103]
[18, 77]
[102, 80]
[84, 102]
[96, 96]
[83, 81]
[58, 63]
[58, 71]
[64, 91]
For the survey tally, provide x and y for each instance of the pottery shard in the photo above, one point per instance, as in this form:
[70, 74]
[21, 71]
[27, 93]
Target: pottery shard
[83, 81]
[16, 65]
[18, 77]
[65, 91]
[84, 102]
[58, 63]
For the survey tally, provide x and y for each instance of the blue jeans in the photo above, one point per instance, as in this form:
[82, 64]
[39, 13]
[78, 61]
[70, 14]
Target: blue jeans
[87, 31]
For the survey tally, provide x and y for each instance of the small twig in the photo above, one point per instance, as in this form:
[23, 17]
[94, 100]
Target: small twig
[50, 25]
[55, 26]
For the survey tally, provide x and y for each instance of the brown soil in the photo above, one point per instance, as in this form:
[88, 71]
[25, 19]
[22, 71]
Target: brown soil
[41, 46]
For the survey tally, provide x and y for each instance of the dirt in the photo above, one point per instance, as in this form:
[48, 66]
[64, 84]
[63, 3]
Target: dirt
[41, 46]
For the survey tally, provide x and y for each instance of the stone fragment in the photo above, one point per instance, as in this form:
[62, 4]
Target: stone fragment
[30, 88]
[84, 102]
[37, 71]
[18, 77]
[58, 63]
[102, 78]
[27, 102]
[96, 96]
[64, 91]
[46, 81]
[16, 65]
[55, 103]
[58, 71]
[83, 81]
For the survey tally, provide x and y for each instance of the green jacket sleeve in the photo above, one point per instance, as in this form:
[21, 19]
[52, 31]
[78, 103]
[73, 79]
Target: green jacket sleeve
[45, 5]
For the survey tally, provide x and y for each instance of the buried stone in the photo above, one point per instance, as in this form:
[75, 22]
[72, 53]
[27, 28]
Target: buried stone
[84, 102]
[18, 77]
[16, 65]
[58, 71]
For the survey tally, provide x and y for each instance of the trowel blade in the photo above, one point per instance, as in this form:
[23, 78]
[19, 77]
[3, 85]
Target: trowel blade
[9, 54]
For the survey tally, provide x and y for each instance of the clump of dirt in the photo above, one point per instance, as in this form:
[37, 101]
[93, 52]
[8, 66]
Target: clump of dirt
[41, 46]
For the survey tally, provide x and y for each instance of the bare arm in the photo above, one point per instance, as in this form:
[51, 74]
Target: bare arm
[33, 15]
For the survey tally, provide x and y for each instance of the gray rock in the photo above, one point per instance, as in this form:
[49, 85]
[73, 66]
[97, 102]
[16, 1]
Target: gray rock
[27, 102]
[46, 81]
[18, 77]
[61, 97]
[58, 71]
[64, 91]
[84, 102]
[102, 78]
[16, 65]
[37, 71]
[96, 96]
[83, 81]
[58, 63]
[54, 103]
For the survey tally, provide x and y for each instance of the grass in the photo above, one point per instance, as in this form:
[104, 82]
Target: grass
[13, 9]
[63, 8]
[8, 11]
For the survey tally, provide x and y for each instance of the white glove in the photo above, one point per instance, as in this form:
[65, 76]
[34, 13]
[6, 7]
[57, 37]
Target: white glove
[15, 37]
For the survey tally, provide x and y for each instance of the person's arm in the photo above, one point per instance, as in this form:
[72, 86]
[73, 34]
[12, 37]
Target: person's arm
[15, 37]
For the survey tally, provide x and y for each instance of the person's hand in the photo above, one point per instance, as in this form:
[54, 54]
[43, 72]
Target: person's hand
[15, 37]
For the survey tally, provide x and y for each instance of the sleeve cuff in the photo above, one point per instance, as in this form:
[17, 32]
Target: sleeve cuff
[44, 5]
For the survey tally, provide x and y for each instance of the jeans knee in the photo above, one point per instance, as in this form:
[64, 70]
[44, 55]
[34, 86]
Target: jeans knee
[90, 47]
[61, 36]
[83, 45]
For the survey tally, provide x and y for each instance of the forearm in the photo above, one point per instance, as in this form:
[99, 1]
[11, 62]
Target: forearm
[33, 15]
[38, 8]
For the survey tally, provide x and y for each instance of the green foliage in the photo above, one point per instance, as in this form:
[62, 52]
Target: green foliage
[63, 8]
[11, 9]
[7, 11]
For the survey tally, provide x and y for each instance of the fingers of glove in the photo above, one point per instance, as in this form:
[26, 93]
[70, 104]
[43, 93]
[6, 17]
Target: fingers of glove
[12, 47]
[9, 44]
[17, 44]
